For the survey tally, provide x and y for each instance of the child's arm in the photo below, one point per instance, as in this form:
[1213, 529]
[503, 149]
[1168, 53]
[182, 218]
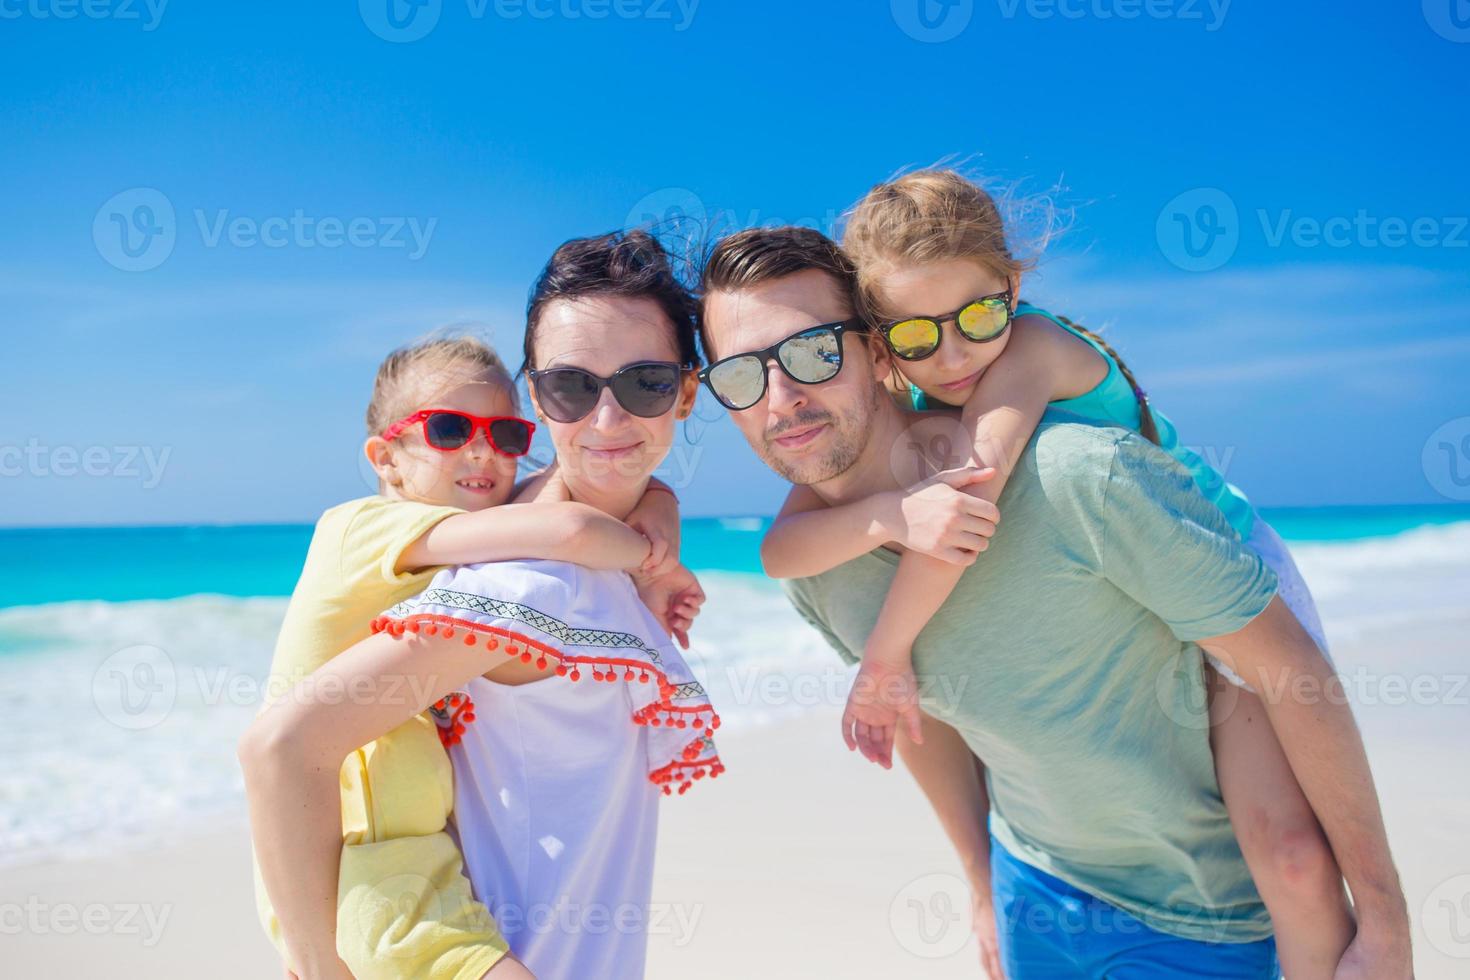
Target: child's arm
[559, 531]
[1041, 363]
[291, 755]
[934, 518]
[657, 518]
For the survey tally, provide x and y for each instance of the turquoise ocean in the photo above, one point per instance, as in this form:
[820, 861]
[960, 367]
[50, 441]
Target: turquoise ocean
[132, 657]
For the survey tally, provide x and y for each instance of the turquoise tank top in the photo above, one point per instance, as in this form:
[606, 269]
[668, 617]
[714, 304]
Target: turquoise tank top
[1113, 402]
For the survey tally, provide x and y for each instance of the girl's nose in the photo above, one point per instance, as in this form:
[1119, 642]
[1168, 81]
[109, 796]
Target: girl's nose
[480, 446]
[954, 352]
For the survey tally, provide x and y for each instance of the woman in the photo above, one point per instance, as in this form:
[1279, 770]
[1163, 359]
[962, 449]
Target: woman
[557, 776]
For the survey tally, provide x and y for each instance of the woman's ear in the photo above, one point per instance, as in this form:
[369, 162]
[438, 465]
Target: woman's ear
[535, 405]
[379, 453]
[688, 391]
[1015, 284]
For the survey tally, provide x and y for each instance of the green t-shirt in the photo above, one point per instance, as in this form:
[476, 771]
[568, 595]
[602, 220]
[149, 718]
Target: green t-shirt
[1065, 658]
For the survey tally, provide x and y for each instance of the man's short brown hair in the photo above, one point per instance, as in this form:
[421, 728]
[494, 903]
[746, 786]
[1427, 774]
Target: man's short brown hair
[756, 255]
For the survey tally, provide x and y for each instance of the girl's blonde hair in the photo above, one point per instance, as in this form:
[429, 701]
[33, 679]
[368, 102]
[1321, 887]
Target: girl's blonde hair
[937, 214]
[403, 372]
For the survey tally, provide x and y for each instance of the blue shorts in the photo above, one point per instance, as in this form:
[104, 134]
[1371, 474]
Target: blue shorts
[1050, 930]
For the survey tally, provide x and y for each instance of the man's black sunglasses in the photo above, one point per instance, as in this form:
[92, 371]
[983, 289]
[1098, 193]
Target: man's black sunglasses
[809, 356]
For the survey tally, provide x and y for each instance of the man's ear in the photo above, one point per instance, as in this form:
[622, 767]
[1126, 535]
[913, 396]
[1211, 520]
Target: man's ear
[879, 354]
[379, 453]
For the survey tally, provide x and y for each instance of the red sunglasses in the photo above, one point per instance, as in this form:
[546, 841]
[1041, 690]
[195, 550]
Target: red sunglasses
[447, 430]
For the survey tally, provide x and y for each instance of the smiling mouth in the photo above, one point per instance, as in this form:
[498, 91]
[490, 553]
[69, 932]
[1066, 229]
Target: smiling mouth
[799, 438]
[614, 450]
[476, 484]
[964, 382]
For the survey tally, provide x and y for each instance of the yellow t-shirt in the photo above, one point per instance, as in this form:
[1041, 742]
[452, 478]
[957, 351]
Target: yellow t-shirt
[404, 907]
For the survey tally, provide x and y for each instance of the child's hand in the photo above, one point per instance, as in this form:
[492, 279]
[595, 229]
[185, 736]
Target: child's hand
[938, 518]
[657, 518]
[675, 597]
[884, 695]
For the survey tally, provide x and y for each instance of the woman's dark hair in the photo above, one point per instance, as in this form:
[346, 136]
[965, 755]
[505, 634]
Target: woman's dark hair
[630, 263]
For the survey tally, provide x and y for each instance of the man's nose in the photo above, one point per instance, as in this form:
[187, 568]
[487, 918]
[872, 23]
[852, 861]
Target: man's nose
[785, 396]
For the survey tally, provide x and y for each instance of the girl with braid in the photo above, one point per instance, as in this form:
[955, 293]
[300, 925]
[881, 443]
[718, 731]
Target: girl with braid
[937, 280]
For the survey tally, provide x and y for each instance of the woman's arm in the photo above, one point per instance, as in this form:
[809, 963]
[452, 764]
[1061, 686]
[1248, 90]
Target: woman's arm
[556, 531]
[291, 756]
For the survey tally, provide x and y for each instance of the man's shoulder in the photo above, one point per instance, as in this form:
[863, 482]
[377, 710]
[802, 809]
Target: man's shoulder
[1069, 451]
[1063, 430]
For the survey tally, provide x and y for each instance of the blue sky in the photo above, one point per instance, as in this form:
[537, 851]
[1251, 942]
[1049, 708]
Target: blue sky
[339, 185]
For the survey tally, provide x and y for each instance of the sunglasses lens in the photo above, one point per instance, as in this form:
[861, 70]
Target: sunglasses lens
[647, 390]
[812, 357]
[912, 339]
[566, 394]
[445, 430]
[512, 437]
[739, 382]
[984, 319]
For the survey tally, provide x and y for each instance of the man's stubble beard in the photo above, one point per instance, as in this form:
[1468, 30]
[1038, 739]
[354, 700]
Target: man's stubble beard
[849, 438]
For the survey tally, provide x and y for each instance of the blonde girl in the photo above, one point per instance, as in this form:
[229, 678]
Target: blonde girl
[444, 436]
[939, 282]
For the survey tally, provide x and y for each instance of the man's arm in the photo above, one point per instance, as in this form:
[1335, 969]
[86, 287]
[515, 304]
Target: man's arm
[952, 778]
[1159, 540]
[1326, 753]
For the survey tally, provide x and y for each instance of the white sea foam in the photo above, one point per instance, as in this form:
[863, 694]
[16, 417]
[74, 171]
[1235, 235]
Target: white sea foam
[120, 719]
[1418, 577]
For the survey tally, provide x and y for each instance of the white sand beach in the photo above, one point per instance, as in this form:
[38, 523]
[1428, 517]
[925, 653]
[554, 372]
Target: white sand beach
[801, 861]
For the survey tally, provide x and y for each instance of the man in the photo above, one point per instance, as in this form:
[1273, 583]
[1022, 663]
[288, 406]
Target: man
[1068, 658]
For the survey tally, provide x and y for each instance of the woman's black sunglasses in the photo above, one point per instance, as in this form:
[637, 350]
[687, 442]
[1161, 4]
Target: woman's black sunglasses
[808, 356]
[646, 389]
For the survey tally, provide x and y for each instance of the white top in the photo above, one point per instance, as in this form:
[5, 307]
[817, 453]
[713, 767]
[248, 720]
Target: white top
[557, 781]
